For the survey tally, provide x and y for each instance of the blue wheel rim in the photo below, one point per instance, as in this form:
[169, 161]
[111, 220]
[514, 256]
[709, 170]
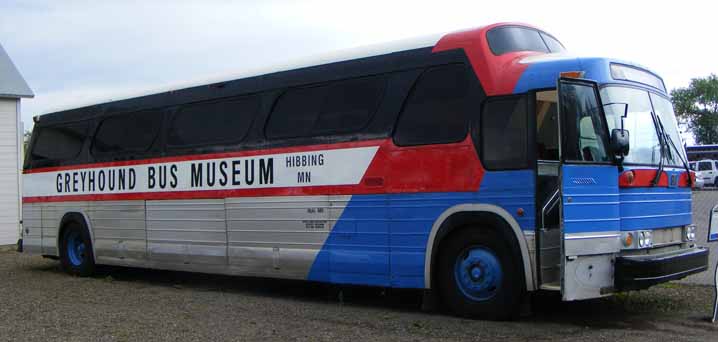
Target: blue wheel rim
[75, 249]
[478, 273]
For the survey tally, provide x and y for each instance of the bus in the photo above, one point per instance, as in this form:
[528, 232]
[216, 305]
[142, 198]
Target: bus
[480, 166]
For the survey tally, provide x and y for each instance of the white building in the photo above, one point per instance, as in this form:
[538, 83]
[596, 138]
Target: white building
[12, 88]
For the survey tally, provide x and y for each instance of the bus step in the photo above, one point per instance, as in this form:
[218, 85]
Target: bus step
[551, 286]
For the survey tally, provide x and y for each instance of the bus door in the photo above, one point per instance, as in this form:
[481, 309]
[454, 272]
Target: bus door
[588, 191]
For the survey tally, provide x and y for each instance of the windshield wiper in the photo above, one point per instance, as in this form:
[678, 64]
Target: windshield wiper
[661, 140]
[668, 139]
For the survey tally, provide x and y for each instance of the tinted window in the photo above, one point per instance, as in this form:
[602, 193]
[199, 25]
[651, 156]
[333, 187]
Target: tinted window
[295, 113]
[60, 142]
[504, 133]
[512, 38]
[704, 166]
[134, 132]
[437, 109]
[553, 44]
[547, 125]
[349, 105]
[336, 108]
[583, 129]
[224, 121]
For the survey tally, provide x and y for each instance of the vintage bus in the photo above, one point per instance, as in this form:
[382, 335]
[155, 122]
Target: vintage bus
[480, 166]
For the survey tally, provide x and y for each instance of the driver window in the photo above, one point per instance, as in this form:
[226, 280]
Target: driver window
[585, 132]
[547, 125]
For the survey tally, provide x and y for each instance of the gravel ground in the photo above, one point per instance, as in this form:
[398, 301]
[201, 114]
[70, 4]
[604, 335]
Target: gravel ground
[703, 202]
[40, 303]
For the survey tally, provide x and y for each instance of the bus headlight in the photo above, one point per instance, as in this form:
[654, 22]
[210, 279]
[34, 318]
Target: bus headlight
[644, 239]
[689, 232]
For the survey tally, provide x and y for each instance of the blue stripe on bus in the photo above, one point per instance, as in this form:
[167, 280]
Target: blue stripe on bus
[590, 198]
[381, 240]
[655, 207]
[543, 74]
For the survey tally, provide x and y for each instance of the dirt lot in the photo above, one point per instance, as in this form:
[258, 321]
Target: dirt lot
[703, 202]
[38, 302]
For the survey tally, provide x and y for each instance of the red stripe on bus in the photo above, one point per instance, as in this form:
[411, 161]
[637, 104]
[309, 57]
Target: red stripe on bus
[643, 178]
[498, 74]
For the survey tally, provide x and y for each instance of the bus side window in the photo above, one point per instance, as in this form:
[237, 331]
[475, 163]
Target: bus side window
[58, 143]
[127, 133]
[225, 121]
[437, 109]
[340, 107]
[504, 133]
[547, 125]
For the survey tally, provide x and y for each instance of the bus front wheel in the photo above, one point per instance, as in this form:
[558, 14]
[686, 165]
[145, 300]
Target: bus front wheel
[477, 275]
[76, 251]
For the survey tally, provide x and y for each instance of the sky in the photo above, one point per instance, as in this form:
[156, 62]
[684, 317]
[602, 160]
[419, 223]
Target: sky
[81, 52]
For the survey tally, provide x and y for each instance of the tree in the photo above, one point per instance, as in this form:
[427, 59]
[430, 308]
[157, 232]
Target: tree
[25, 140]
[697, 107]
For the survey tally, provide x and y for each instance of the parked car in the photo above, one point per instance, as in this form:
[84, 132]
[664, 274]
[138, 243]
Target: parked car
[700, 183]
[707, 170]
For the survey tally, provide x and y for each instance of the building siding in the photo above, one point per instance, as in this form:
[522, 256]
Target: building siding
[9, 172]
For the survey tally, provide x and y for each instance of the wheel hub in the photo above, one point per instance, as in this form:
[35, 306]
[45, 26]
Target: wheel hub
[478, 273]
[75, 249]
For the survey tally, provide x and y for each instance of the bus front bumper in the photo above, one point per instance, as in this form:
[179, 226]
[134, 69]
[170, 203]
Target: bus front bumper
[642, 271]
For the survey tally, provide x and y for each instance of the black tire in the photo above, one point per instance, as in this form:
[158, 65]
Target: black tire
[504, 301]
[82, 263]
[715, 182]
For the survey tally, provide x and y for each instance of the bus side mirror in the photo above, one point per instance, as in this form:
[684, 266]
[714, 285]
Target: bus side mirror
[619, 141]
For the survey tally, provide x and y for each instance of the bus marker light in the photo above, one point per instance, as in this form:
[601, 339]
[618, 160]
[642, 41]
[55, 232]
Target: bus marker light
[628, 240]
[572, 74]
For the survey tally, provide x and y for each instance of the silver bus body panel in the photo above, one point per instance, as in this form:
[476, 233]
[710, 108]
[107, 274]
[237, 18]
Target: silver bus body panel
[119, 230]
[272, 236]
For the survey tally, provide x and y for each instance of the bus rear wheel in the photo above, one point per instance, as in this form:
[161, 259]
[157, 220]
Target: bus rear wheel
[477, 275]
[76, 251]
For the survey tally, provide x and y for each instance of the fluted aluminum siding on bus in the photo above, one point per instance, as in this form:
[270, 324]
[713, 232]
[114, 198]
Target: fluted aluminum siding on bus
[279, 235]
[52, 214]
[187, 231]
[118, 228]
[32, 227]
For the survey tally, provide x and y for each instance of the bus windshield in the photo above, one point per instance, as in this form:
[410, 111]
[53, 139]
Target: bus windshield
[645, 144]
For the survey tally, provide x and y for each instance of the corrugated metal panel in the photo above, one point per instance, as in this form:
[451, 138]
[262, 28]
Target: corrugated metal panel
[187, 231]
[51, 215]
[9, 171]
[11, 82]
[32, 223]
[118, 228]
